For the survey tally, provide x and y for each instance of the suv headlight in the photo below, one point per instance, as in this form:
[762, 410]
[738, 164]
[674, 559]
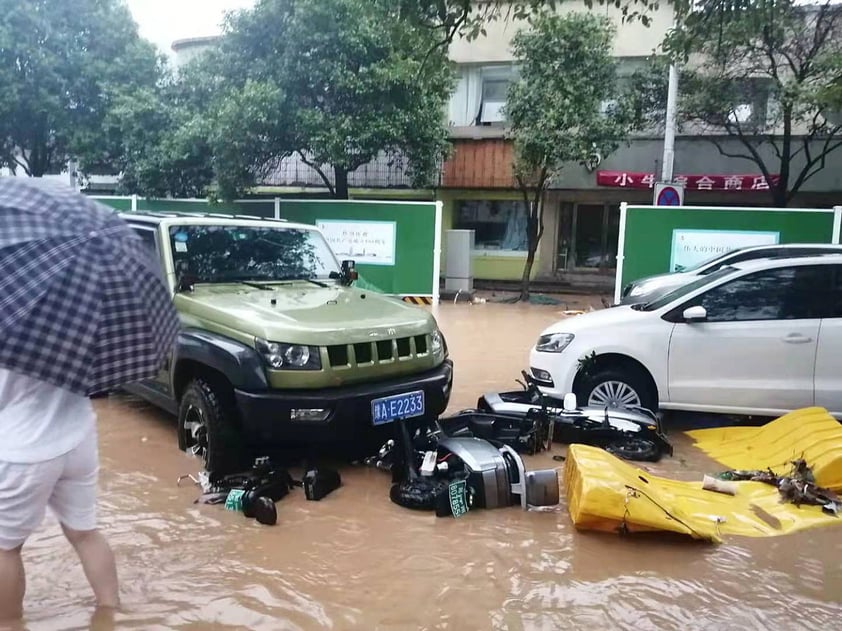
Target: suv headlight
[282, 356]
[437, 343]
[553, 342]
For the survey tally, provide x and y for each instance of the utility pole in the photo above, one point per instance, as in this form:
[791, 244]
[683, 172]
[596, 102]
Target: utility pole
[669, 126]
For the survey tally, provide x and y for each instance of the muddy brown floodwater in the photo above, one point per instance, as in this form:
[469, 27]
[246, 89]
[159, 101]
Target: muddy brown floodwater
[357, 561]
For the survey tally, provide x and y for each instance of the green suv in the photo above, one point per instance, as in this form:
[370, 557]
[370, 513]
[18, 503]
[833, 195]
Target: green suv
[278, 348]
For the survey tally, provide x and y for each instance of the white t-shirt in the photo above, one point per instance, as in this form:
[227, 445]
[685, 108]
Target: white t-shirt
[39, 421]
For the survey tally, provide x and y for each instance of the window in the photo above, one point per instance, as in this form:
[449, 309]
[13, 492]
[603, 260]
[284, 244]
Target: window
[147, 235]
[749, 104]
[498, 224]
[834, 296]
[494, 92]
[730, 258]
[787, 293]
[249, 253]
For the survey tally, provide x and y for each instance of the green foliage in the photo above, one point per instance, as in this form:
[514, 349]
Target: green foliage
[164, 134]
[763, 73]
[337, 82]
[63, 66]
[469, 18]
[567, 74]
[556, 108]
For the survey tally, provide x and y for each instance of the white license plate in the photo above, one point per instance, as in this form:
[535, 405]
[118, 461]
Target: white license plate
[397, 407]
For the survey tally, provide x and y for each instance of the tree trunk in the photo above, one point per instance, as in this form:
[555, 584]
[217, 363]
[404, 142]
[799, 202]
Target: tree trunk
[779, 195]
[779, 192]
[341, 183]
[534, 229]
[527, 272]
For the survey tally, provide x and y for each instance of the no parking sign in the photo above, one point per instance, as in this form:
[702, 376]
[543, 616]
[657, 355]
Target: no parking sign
[669, 195]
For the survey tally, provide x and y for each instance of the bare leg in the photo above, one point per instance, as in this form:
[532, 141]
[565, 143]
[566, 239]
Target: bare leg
[98, 562]
[12, 585]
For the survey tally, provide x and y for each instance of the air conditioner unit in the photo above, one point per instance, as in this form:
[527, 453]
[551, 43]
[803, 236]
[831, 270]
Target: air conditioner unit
[492, 112]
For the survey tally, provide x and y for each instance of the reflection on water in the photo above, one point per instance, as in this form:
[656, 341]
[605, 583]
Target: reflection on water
[355, 560]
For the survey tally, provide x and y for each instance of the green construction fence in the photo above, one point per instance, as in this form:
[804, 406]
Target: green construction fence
[658, 239]
[396, 244]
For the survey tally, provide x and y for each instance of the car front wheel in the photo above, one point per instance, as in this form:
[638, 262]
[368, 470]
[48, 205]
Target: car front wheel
[206, 428]
[617, 389]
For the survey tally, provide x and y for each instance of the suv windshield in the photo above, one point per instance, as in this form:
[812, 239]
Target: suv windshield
[682, 291]
[220, 253]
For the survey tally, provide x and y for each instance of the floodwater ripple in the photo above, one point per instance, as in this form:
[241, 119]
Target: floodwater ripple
[355, 560]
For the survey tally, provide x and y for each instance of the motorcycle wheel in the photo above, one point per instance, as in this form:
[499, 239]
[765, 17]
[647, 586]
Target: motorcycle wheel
[635, 449]
[417, 493]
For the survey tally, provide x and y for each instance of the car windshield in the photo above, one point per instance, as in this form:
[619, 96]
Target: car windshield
[709, 261]
[684, 290]
[225, 253]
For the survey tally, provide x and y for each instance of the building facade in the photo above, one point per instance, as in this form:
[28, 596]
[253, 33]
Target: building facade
[582, 207]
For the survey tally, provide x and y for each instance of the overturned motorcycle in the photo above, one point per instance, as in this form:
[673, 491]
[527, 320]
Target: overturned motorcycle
[451, 476]
[632, 434]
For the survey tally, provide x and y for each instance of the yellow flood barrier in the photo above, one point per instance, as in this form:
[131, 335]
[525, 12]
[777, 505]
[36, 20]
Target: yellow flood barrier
[608, 494]
[809, 433]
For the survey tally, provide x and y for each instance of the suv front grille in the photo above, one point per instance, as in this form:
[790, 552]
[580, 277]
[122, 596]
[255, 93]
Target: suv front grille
[380, 352]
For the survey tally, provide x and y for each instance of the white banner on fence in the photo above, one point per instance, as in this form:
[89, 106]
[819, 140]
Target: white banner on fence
[691, 247]
[370, 242]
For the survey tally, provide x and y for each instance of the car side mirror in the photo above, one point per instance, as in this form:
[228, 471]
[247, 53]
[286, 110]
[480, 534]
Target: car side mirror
[695, 314]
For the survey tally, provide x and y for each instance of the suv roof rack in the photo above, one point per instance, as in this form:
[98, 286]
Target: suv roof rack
[175, 214]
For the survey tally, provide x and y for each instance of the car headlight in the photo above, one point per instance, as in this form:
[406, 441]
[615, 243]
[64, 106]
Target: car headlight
[553, 342]
[282, 356]
[438, 343]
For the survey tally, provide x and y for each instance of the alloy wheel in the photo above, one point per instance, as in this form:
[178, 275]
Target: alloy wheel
[615, 394]
[195, 431]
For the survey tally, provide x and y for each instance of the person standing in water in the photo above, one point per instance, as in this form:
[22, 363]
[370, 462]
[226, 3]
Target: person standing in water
[49, 459]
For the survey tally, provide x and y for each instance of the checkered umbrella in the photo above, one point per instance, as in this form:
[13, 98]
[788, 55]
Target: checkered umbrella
[82, 303]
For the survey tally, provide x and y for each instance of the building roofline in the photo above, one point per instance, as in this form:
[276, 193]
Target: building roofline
[193, 41]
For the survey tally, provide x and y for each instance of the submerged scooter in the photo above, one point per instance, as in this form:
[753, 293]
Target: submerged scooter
[632, 434]
[453, 475]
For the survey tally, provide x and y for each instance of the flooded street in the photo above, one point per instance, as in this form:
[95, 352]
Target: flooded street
[356, 561]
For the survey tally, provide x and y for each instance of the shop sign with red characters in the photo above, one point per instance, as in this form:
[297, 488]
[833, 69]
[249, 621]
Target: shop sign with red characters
[631, 179]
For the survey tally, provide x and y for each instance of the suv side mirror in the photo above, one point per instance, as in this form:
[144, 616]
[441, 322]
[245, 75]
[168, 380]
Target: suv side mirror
[695, 314]
[349, 272]
[185, 282]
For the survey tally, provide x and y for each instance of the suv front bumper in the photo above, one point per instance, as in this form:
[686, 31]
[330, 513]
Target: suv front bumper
[266, 415]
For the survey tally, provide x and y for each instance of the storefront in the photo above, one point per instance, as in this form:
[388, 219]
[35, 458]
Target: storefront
[499, 220]
[578, 236]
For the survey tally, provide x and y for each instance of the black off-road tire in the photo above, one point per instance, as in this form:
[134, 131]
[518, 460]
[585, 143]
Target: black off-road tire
[224, 450]
[632, 378]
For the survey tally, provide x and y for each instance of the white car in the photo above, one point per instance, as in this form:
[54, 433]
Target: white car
[650, 287]
[759, 337]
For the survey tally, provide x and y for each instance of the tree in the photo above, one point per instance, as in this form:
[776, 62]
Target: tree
[345, 83]
[62, 67]
[763, 75]
[560, 110]
[164, 133]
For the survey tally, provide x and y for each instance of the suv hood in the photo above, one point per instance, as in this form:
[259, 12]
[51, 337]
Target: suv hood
[303, 313]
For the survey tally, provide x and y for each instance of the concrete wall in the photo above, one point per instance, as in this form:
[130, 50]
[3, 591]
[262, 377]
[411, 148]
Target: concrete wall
[695, 155]
[633, 39]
